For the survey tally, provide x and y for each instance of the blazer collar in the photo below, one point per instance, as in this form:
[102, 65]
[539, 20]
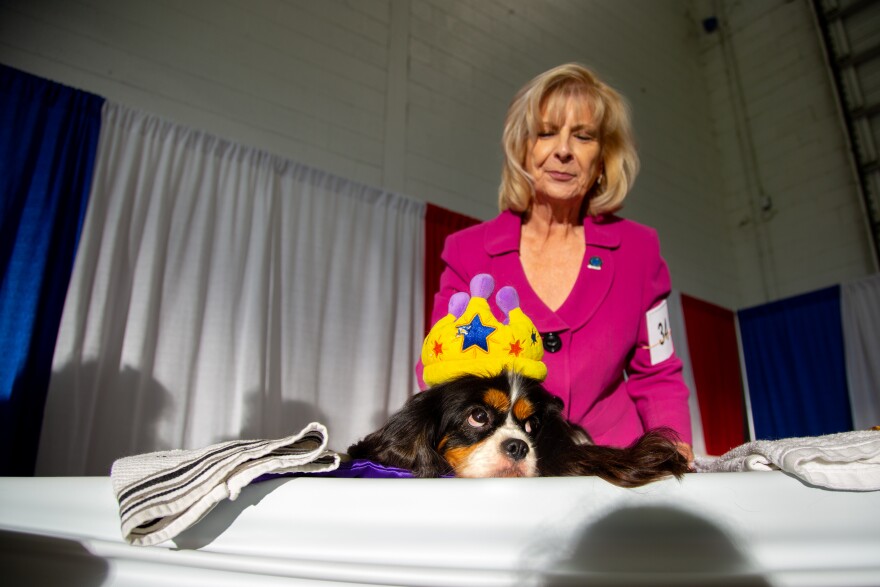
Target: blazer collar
[602, 236]
[503, 232]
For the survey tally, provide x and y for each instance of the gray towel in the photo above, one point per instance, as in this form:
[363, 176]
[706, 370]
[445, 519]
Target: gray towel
[847, 460]
[161, 494]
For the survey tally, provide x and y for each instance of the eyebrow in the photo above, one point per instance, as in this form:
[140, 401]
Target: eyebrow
[497, 399]
[544, 124]
[523, 409]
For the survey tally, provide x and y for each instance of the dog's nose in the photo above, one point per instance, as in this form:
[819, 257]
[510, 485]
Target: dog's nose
[515, 448]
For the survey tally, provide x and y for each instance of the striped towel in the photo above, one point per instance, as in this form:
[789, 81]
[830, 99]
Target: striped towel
[845, 460]
[161, 494]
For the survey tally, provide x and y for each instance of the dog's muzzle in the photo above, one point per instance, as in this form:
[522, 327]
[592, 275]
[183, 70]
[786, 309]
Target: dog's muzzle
[515, 448]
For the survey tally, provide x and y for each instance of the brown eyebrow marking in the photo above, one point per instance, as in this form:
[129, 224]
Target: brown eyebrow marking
[497, 399]
[523, 409]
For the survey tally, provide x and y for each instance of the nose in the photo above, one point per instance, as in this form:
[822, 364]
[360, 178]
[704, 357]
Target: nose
[562, 148]
[515, 448]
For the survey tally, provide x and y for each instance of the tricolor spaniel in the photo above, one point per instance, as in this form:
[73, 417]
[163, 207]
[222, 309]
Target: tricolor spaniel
[508, 426]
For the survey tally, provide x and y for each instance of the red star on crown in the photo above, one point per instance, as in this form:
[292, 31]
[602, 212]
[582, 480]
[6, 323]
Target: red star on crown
[515, 348]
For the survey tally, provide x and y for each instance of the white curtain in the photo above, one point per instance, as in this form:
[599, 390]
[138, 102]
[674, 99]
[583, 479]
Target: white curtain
[222, 292]
[860, 314]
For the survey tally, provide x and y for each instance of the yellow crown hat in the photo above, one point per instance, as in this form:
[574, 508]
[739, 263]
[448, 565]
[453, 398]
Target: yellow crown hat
[470, 340]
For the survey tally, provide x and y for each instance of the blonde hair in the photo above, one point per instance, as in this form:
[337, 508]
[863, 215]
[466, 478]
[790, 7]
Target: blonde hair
[610, 112]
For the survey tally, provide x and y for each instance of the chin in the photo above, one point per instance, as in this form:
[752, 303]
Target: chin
[508, 426]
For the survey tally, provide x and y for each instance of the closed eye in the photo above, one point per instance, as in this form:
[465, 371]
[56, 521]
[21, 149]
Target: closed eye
[478, 418]
[547, 130]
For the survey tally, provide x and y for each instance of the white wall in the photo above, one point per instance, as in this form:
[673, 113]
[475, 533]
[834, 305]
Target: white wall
[410, 95]
[467, 60]
[782, 148]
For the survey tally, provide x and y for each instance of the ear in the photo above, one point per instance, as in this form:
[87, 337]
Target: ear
[555, 431]
[651, 457]
[558, 440]
[408, 439]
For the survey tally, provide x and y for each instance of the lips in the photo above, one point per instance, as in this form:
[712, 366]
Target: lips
[560, 175]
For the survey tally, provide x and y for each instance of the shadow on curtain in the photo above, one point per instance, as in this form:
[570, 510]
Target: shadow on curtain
[794, 357]
[47, 150]
[220, 292]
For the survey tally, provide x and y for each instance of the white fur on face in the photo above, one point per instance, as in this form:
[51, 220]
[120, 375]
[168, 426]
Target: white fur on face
[489, 459]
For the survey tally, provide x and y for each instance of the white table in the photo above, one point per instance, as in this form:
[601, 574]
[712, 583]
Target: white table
[721, 528]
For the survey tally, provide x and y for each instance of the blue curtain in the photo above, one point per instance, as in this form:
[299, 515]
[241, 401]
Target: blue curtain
[794, 355]
[48, 140]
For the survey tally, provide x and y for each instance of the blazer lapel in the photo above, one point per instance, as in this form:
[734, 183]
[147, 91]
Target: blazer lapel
[502, 245]
[601, 235]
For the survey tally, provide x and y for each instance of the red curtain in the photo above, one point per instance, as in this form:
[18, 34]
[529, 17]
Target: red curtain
[439, 223]
[711, 337]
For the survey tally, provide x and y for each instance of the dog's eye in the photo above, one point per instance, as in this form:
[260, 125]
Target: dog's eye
[478, 418]
[531, 425]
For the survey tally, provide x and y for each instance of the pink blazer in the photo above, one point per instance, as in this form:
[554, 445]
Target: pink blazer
[604, 369]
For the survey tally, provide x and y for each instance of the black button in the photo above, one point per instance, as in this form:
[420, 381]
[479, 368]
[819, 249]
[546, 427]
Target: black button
[552, 342]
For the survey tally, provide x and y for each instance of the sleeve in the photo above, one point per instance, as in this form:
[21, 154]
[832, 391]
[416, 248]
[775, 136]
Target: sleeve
[655, 380]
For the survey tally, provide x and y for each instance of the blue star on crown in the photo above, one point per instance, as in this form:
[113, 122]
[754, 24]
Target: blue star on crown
[475, 334]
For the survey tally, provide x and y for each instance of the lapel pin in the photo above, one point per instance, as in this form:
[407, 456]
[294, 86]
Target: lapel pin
[595, 263]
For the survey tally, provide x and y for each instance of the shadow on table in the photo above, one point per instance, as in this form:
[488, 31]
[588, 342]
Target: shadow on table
[654, 545]
[31, 559]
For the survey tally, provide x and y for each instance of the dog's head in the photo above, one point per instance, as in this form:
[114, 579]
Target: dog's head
[503, 423]
[470, 427]
[508, 426]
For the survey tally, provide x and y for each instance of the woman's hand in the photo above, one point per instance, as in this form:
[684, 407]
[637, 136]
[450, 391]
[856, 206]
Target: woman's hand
[687, 452]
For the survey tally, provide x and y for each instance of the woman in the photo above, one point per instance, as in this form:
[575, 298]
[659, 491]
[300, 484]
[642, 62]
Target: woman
[594, 284]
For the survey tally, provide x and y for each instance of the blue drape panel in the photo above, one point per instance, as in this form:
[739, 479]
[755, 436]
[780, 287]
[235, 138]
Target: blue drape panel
[793, 350]
[48, 138]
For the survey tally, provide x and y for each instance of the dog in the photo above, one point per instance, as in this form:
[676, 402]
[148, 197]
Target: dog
[508, 425]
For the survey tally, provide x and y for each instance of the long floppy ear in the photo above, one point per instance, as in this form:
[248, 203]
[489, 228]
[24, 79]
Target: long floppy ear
[557, 440]
[408, 439]
[564, 453]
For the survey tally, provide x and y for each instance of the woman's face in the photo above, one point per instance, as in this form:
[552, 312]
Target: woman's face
[564, 159]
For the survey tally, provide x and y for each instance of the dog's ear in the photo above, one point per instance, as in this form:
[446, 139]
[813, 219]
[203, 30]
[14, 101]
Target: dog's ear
[555, 432]
[651, 457]
[408, 439]
[557, 440]
[566, 450]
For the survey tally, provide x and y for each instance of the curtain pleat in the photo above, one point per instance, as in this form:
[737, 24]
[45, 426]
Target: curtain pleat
[439, 223]
[47, 147]
[793, 350]
[711, 334]
[860, 312]
[222, 292]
